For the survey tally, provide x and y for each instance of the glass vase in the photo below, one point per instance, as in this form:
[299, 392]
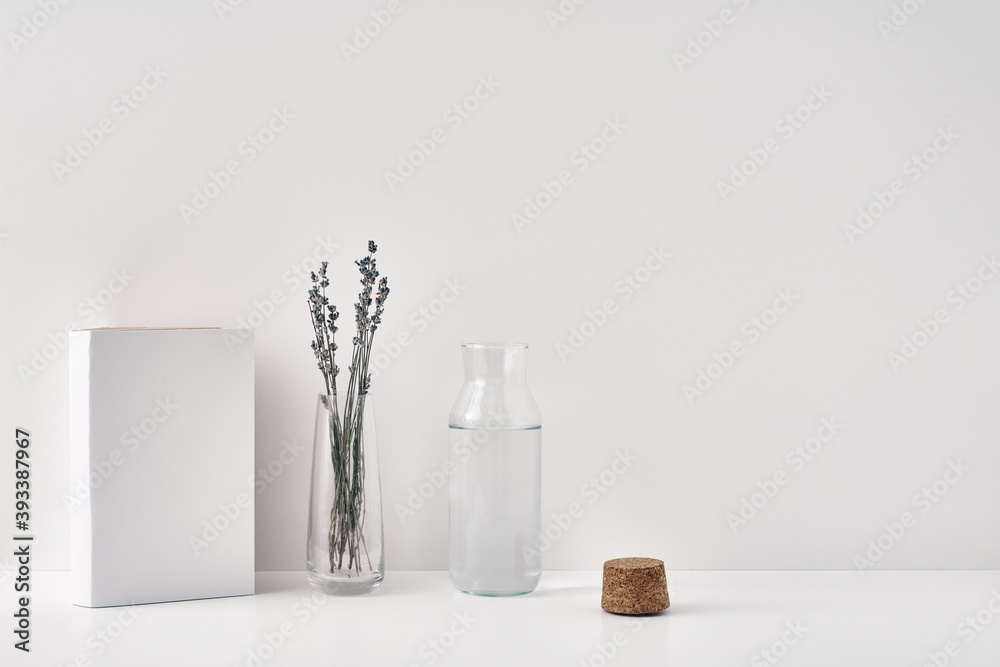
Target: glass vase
[344, 554]
[495, 441]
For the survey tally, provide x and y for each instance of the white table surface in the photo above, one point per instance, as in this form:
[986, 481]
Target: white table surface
[715, 618]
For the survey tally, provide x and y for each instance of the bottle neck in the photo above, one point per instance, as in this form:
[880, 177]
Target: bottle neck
[495, 393]
[495, 364]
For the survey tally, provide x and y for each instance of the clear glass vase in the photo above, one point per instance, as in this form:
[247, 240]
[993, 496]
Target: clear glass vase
[344, 554]
[495, 438]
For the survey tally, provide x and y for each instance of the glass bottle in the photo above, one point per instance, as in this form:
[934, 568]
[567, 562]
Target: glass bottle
[495, 446]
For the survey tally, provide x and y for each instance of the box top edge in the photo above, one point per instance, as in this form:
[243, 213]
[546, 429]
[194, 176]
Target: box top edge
[151, 329]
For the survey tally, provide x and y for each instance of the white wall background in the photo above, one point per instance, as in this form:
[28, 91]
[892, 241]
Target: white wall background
[656, 185]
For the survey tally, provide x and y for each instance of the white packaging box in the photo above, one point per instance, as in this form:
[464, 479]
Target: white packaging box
[162, 464]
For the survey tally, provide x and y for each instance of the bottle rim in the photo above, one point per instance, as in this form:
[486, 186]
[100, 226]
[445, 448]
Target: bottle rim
[485, 346]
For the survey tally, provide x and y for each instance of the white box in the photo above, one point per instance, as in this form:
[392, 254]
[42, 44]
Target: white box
[162, 464]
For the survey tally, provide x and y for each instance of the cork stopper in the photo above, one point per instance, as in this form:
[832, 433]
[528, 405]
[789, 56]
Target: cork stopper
[634, 586]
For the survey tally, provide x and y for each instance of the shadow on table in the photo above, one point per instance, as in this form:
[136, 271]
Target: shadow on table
[556, 591]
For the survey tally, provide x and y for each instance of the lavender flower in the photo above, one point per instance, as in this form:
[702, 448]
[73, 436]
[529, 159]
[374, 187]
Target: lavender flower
[347, 513]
